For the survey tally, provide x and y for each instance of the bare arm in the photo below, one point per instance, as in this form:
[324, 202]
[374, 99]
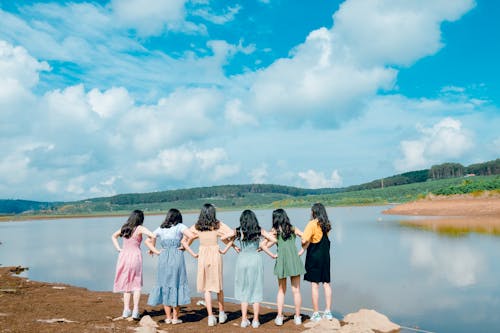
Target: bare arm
[305, 244]
[228, 245]
[114, 239]
[151, 244]
[265, 247]
[194, 235]
[188, 235]
[297, 232]
[269, 236]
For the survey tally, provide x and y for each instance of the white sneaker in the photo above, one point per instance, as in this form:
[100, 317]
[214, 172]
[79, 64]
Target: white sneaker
[212, 321]
[136, 315]
[255, 324]
[297, 320]
[126, 313]
[315, 317]
[245, 323]
[327, 315]
[222, 317]
[278, 320]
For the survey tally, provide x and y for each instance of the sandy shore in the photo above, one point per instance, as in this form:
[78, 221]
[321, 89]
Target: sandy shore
[457, 214]
[29, 306]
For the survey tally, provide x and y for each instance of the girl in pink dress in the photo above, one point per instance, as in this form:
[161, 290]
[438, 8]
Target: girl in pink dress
[128, 277]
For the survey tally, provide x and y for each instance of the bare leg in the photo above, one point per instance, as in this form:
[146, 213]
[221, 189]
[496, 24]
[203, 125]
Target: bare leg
[220, 299]
[137, 297]
[280, 299]
[315, 295]
[176, 312]
[328, 295]
[297, 298]
[256, 310]
[126, 301]
[168, 311]
[208, 302]
[244, 311]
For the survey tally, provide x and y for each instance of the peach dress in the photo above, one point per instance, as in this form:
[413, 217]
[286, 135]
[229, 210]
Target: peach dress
[209, 276]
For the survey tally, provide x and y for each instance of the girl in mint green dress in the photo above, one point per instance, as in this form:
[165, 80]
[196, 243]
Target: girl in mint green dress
[288, 262]
[249, 270]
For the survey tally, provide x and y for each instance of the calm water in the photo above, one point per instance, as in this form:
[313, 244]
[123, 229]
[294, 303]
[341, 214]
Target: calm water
[415, 277]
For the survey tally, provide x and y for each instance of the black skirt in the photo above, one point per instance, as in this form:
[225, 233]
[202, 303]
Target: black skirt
[318, 261]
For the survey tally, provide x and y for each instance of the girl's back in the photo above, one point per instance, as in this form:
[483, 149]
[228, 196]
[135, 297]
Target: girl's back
[288, 262]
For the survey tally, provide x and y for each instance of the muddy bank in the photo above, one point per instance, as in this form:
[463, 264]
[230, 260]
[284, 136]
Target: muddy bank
[455, 215]
[31, 306]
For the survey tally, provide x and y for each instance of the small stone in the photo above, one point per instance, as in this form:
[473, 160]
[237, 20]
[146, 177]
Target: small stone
[56, 320]
[355, 328]
[58, 287]
[373, 320]
[322, 326]
[145, 329]
[147, 321]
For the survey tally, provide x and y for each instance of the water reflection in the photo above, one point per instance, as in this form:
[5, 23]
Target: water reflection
[415, 277]
[459, 264]
[457, 226]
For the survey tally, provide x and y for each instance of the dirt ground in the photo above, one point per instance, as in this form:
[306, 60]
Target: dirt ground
[457, 214]
[25, 306]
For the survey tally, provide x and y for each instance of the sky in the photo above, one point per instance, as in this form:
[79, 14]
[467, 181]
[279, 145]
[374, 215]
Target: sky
[105, 97]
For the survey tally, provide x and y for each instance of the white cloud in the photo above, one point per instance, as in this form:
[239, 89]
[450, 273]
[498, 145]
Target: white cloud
[223, 171]
[444, 141]
[19, 73]
[496, 145]
[378, 32]
[259, 175]
[151, 18]
[315, 179]
[458, 264]
[111, 102]
[208, 15]
[235, 115]
[184, 161]
[330, 76]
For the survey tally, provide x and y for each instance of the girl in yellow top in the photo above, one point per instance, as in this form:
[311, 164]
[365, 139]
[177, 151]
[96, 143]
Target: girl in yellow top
[315, 239]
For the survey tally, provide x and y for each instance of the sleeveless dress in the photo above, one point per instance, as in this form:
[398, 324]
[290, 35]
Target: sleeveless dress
[288, 262]
[249, 273]
[318, 261]
[171, 284]
[209, 277]
[128, 275]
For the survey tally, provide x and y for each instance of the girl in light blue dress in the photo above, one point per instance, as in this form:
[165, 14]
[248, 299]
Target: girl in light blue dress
[172, 288]
[249, 271]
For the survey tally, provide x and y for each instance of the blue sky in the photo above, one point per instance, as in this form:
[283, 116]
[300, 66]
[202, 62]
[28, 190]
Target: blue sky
[106, 97]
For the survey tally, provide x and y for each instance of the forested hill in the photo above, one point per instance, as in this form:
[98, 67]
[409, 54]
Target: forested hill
[212, 192]
[250, 195]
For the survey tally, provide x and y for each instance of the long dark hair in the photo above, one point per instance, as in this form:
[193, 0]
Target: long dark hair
[319, 213]
[281, 223]
[173, 217]
[135, 219]
[249, 228]
[207, 220]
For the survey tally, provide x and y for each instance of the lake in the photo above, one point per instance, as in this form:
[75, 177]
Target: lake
[417, 278]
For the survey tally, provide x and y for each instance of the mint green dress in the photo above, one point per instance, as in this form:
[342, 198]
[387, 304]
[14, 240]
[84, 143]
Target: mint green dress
[249, 273]
[288, 262]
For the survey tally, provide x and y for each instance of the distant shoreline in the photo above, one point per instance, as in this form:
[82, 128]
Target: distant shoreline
[20, 218]
[453, 215]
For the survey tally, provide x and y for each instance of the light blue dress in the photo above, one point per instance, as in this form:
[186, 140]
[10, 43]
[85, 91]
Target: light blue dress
[249, 273]
[172, 285]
